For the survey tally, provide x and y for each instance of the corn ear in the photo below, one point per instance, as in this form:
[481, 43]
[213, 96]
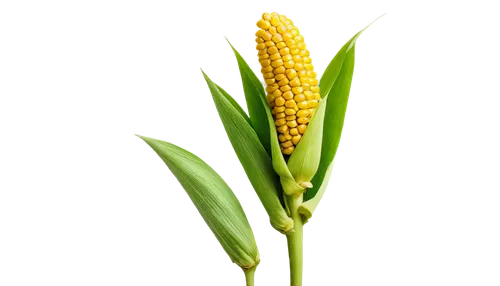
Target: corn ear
[215, 201]
[253, 157]
[292, 88]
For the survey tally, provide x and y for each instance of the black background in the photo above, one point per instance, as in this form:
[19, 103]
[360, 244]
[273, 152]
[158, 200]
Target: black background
[146, 235]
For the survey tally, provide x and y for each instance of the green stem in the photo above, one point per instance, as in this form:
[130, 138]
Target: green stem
[295, 240]
[249, 275]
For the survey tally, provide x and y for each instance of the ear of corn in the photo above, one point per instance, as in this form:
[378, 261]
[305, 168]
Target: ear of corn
[254, 159]
[292, 87]
[254, 93]
[215, 201]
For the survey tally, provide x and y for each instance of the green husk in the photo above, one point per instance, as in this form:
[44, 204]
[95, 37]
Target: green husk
[214, 200]
[253, 157]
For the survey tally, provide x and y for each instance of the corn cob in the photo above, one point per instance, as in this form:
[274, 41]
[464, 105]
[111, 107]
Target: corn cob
[292, 87]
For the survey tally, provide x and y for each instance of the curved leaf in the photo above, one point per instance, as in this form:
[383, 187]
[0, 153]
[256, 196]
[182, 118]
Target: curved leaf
[215, 201]
[254, 159]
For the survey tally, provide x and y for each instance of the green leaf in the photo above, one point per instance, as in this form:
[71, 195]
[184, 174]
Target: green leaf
[254, 93]
[332, 69]
[215, 201]
[253, 157]
[336, 114]
[335, 84]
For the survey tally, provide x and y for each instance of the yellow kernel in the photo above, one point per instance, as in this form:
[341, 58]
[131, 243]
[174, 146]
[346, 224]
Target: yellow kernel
[282, 129]
[290, 111]
[309, 94]
[291, 43]
[265, 63]
[287, 57]
[285, 88]
[277, 63]
[274, 57]
[303, 120]
[280, 122]
[280, 101]
[313, 103]
[287, 144]
[259, 33]
[275, 21]
[294, 131]
[289, 64]
[302, 128]
[278, 109]
[312, 74]
[277, 93]
[302, 46]
[313, 81]
[290, 117]
[280, 115]
[295, 51]
[285, 51]
[281, 45]
[299, 38]
[289, 22]
[283, 82]
[259, 40]
[266, 16]
[287, 36]
[309, 67]
[296, 139]
[303, 113]
[280, 77]
[295, 82]
[292, 123]
[272, 50]
[268, 75]
[315, 89]
[307, 60]
[266, 69]
[297, 90]
[269, 81]
[295, 32]
[282, 138]
[263, 24]
[273, 30]
[272, 87]
[304, 53]
[262, 52]
[288, 95]
[288, 136]
[290, 103]
[260, 46]
[263, 57]
[283, 18]
[302, 105]
[266, 36]
[279, 70]
[298, 66]
[270, 97]
[270, 43]
[303, 73]
[317, 96]
[281, 29]
[306, 86]
[277, 38]
[291, 74]
[299, 98]
[297, 58]
[288, 151]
